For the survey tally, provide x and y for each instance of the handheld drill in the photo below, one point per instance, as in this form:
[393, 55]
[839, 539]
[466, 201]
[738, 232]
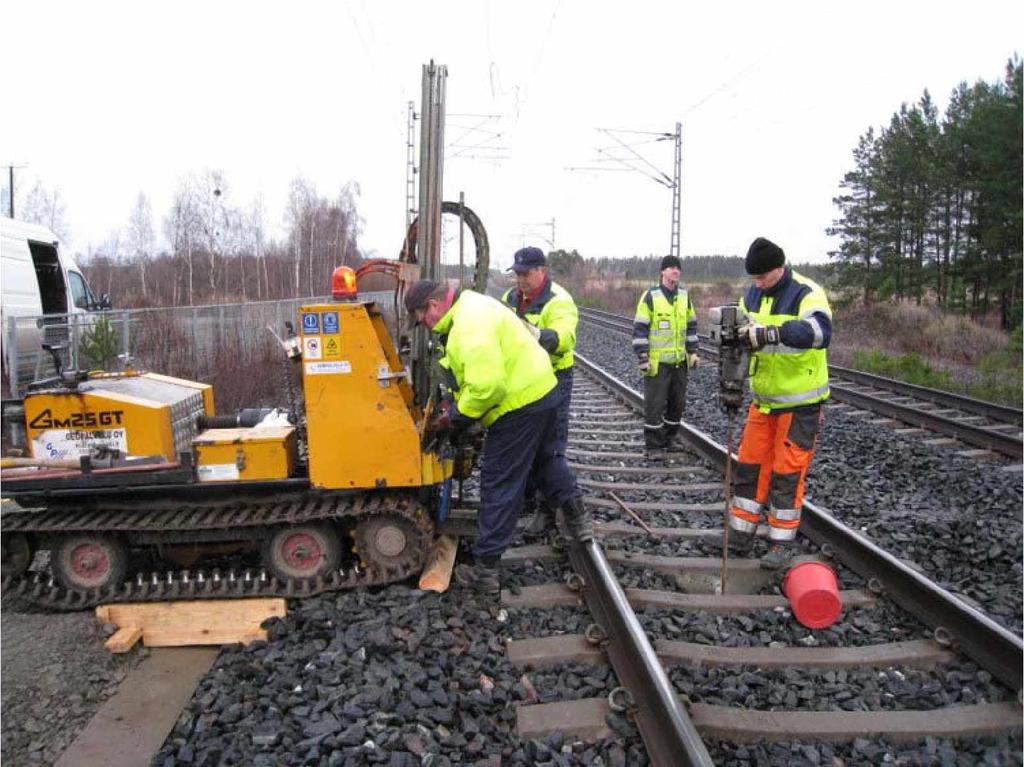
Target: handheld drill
[733, 354]
[733, 370]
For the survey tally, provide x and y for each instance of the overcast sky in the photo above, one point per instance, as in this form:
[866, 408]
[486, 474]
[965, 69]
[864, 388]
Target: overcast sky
[105, 100]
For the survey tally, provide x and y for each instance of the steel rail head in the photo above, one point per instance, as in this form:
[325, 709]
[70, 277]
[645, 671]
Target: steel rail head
[993, 647]
[668, 733]
[969, 404]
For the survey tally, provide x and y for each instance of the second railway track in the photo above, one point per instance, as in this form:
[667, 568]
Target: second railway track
[986, 427]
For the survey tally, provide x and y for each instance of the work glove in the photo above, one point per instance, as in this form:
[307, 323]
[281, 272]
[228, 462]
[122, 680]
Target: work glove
[548, 340]
[692, 360]
[534, 330]
[439, 425]
[756, 336]
[447, 422]
[644, 363]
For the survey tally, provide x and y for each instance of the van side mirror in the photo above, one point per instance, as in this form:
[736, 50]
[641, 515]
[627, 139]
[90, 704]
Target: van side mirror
[103, 303]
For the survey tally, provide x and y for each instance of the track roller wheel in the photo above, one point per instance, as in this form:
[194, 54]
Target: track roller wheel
[17, 555]
[385, 540]
[83, 562]
[302, 552]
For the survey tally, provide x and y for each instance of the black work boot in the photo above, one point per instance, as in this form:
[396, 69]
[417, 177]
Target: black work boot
[740, 543]
[672, 443]
[481, 576]
[578, 521]
[654, 444]
[778, 556]
[542, 520]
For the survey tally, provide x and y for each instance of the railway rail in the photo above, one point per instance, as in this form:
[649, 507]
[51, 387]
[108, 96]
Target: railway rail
[986, 426]
[935, 627]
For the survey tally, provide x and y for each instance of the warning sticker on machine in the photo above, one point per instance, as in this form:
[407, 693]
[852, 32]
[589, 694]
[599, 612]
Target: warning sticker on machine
[325, 368]
[311, 348]
[61, 443]
[216, 472]
[332, 349]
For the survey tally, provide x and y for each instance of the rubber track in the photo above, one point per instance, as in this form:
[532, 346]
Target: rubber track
[44, 590]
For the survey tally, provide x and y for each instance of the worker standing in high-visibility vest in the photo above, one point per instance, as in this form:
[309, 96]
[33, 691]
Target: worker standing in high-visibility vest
[789, 329]
[665, 343]
[551, 316]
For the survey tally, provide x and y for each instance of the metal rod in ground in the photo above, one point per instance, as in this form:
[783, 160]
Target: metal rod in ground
[728, 495]
[633, 514]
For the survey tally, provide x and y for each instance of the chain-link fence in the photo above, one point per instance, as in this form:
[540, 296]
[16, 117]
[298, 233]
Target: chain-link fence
[228, 345]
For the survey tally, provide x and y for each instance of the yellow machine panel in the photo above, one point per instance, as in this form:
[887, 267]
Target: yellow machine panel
[138, 414]
[359, 405]
[243, 454]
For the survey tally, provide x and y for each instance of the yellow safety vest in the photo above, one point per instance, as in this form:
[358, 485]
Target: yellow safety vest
[554, 310]
[672, 327]
[782, 376]
[497, 363]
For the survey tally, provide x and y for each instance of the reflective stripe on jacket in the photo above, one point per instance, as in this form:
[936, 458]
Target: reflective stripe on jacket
[667, 331]
[793, 372]
[554, 310]
[498, 365]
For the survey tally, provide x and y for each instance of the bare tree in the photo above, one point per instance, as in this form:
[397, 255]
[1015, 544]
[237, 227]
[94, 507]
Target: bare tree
[256, 237]
[46, 207]
[182, 226]
[299, 217]
[141, 237]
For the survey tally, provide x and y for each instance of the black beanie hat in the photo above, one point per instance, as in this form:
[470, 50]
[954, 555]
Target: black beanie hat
[763, 256]
[669, 261]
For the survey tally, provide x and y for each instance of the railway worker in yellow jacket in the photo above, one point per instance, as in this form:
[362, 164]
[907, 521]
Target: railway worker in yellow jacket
[665, 343]
[504, 380]
[789, 329]
[551, 316]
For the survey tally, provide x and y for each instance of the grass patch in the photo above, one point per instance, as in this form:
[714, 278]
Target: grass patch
[910, 368]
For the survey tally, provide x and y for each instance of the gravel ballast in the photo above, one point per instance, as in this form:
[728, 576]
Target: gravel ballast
[957, 518]
[396, 676]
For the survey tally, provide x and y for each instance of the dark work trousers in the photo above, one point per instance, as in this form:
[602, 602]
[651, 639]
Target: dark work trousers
[517, 442]
[533, 497]
[664, 402]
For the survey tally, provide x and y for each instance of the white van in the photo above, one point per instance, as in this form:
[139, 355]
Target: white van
[37, 279]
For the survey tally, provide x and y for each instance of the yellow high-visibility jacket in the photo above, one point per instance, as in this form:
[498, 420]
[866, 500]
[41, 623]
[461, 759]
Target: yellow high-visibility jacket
[496, 362]
[793, 372]
[552, 310]
[665, 331]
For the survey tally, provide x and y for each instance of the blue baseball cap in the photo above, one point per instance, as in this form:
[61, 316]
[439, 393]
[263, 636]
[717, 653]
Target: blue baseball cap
[527, 259]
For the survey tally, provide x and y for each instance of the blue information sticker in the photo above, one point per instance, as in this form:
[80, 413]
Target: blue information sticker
[310, 323]
[330, 320]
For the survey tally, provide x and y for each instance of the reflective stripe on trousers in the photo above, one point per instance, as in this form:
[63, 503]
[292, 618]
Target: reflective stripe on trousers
[774, 455]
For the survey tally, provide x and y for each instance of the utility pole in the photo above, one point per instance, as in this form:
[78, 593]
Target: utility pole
[676, 184]
[624, 158]
[410, 167]
[10, 186]
[526, 229]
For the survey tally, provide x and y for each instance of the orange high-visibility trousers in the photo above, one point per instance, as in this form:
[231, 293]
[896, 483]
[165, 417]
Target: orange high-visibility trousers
[774, 456]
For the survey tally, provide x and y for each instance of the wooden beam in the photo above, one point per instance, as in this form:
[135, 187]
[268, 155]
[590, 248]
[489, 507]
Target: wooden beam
[123, 639]
[437, 575]
[198, 622]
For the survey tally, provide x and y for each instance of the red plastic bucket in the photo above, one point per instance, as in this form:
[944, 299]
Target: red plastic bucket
[813, 593]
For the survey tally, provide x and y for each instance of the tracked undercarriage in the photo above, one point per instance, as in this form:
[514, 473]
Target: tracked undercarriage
[303, 541]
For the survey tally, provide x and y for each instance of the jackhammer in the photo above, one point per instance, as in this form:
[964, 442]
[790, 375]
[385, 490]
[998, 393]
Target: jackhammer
[733, 371]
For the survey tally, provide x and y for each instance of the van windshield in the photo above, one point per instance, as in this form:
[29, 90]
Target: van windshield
[80, 294]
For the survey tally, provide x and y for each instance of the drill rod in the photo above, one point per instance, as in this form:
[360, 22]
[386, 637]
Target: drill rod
[728, 493]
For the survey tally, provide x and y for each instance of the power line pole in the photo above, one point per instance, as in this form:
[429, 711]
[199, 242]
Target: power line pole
[10, 186]
[410, 167]
[622, 157]
[676, 188]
